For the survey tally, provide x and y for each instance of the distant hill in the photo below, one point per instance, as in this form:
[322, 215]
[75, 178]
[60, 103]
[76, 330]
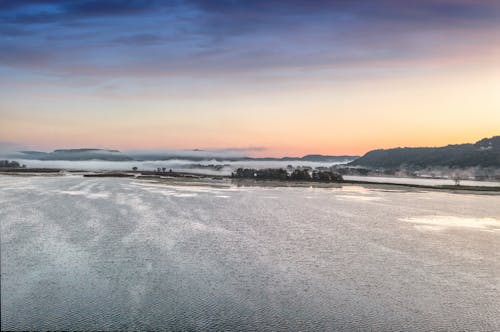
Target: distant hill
[323, 158]
[195, 155]
[200, 155]
[310, 157]
[484, 153]
[76, 154]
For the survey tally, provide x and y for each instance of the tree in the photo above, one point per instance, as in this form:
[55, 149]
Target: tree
[134, 168]
[456, 178]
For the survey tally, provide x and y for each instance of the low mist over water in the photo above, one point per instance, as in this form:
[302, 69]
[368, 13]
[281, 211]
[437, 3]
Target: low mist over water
[221, 167]
[115, 254]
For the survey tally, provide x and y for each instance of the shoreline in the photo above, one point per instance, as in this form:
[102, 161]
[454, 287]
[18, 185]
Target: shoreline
[423, 186]
[184, 178]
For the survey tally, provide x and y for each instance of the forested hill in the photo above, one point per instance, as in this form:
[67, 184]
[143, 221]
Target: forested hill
[484, 153]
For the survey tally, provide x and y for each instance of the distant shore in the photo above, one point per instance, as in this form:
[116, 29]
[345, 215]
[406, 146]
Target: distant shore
[179, 178]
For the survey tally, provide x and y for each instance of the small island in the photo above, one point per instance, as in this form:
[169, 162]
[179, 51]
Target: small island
[298, 174]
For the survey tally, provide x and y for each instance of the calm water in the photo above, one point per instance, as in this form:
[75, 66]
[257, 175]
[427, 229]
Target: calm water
[421, 181]
[79, 253]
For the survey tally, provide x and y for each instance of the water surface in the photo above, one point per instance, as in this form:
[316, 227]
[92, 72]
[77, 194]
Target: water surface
[95, 253]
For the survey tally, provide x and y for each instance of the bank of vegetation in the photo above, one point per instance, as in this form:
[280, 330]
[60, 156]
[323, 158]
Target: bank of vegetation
[14, 167]
[10, 164]
[281, 174]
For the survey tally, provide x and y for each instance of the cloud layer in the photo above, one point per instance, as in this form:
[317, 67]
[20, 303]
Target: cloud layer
[152, 38]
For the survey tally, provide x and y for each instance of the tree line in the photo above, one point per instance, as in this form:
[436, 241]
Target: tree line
[11, 164]
[283, 175]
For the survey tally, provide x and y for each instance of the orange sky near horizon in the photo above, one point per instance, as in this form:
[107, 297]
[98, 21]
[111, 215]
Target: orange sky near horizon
[432, 109]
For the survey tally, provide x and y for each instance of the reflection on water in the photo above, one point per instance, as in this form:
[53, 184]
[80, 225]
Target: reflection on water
[421, 181]
[445, 222]
[121, 254]
[358, 198]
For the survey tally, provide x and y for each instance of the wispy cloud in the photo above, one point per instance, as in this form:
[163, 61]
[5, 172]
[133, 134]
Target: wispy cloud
[151, 38]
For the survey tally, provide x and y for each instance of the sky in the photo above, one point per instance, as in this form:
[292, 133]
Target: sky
[270, 78]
